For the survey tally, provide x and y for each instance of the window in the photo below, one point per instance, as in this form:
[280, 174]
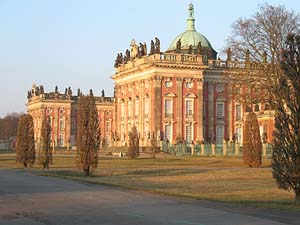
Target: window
[238, 112]
[256, 108]
[62, 123]
[108, 126]
[238, 135]
[61, 139]
[168, 107]
[129, 109]
[146, 107]
[136, 108]
[220, 135]
[168, 132]
[189, 109]
[220, 111]
[189, 134]
[267, 106]
[122, 111]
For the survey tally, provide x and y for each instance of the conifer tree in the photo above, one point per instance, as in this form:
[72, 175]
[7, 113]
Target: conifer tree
[45, 153]
[252, 146]
[133, 151]
[25, 148]
[88, 134]
[153, 145]
[286, 145]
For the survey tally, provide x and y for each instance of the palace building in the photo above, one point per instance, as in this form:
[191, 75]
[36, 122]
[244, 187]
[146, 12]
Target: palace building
[180, 93]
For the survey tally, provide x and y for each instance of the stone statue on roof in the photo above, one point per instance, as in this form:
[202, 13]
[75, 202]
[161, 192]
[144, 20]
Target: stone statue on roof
[157, 45]
[178, 45]
[229, 54]
[199, 48]
[152, 50]
[134, 49]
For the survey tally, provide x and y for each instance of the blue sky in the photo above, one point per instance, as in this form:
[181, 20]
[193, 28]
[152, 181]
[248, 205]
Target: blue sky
[74, 43]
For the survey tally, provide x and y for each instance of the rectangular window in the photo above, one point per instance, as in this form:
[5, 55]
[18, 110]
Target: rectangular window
[61, 139]
[62, 124]
[136, 108]
[238, 112]
[189, 134]
[108, 126]
[256, 108]
[129, 109]
[146, 107]
[168, 133]
[220, 135]
[168, 106]
[220, 111]
[189, 108]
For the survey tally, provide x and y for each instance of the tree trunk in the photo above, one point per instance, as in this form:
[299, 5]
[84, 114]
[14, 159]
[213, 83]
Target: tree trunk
[86, 172]
[297, 196]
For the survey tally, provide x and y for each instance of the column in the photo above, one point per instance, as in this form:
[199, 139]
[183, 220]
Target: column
[179, 116]
[200, 110]
[211, 113]
[157, 107]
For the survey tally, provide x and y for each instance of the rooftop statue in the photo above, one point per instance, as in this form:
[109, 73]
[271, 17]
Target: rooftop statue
[178, 46]
[119, 60]
[247, 57]
[199, 48]
[69, 91]
[134, 49]
[152, 50]
[191, 49]
[265, 57]
[42, 89]
[127, 56]
[141, 50]
[229, 54]
[102, 93]
[157, 45]
[145, 48]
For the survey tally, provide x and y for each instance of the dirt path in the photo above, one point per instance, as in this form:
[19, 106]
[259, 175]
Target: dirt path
[29, 199]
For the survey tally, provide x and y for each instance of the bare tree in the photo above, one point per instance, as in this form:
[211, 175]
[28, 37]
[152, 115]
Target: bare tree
[25, 149]
[88, 134]
[45, 153]
[259, 40]
[286, 146]
[263, 33]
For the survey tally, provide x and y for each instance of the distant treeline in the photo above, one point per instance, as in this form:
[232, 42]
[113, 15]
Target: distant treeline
[9, 127]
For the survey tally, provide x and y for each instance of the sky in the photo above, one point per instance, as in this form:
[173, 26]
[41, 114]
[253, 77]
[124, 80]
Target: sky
[75, 42]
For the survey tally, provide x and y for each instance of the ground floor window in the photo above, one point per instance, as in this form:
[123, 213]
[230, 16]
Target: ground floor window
[220, 135]
[168, 133]
[189, 134]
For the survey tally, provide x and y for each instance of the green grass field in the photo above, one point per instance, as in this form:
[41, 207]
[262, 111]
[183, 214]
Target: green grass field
[210, 178]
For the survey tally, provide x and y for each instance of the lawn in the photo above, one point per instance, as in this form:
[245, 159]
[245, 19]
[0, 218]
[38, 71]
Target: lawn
[210, 178]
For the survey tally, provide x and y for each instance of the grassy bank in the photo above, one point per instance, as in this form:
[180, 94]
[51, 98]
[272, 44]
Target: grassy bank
[218, 179]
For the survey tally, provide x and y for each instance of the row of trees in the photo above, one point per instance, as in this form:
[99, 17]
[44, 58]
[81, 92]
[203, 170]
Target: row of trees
[271, 39]
[88, 138]
[8, 128]
[25, 147]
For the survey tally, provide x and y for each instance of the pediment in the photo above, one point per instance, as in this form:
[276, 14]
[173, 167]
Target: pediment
[170, 94]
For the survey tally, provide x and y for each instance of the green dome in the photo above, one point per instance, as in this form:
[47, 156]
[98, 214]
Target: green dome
[190, 36]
